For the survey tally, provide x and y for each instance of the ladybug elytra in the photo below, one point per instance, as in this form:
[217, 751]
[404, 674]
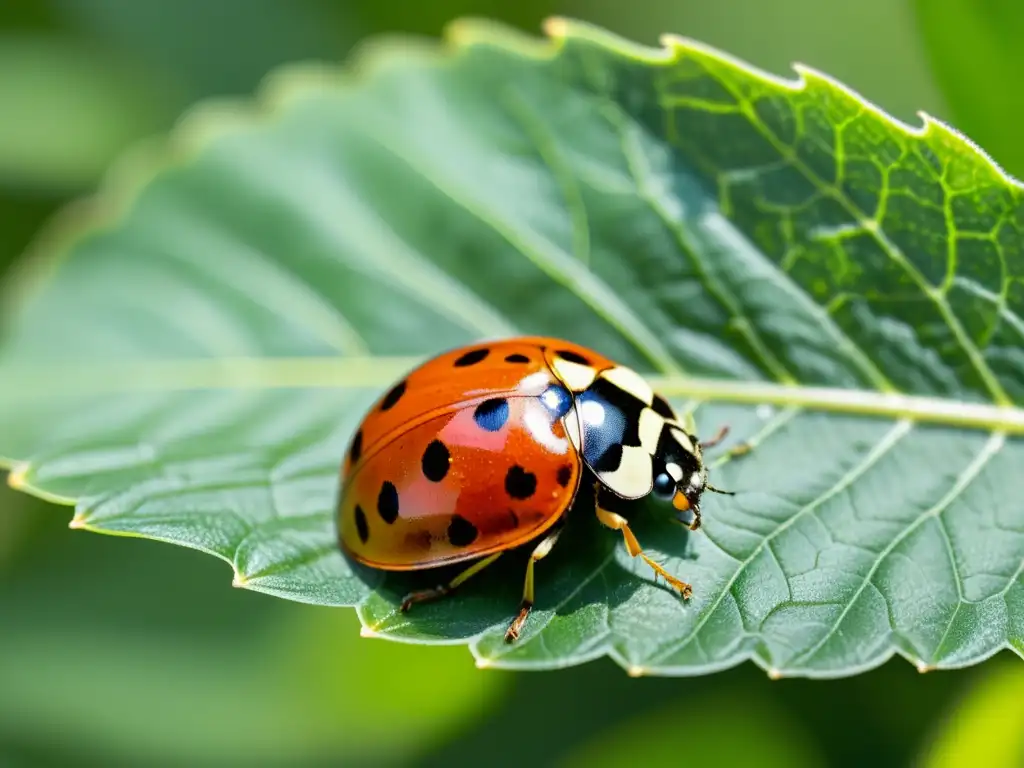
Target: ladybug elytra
[482, 449]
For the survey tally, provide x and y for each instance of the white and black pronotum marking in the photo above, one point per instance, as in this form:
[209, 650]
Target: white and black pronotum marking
[630, 437]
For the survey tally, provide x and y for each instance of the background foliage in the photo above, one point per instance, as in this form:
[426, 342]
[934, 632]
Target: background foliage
[92, 666]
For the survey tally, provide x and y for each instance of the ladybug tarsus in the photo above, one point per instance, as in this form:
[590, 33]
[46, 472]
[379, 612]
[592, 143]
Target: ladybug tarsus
[442, 590]
[695, 522]
[423, 596]
[618, 523]
[526, 605]
[516, 627]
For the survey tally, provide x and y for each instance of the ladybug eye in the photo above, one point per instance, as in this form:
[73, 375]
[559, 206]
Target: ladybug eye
[664, 485]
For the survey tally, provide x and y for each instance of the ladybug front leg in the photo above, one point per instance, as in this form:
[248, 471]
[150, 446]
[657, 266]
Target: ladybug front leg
[619, 523]
[424, 595]
[540, 551]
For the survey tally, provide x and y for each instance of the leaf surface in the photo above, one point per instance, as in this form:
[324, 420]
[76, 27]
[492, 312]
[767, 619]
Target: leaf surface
[844, 291]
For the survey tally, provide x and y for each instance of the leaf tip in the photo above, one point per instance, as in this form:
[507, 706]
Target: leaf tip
[365, 631]
[16, 479]
[555, 27]
[673, 42]
[78, 523]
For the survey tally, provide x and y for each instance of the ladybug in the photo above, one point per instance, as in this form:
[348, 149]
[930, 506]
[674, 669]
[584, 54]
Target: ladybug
[482, 449]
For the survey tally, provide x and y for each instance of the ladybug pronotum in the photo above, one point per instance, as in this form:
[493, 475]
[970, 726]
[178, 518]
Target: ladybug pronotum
[482, 449]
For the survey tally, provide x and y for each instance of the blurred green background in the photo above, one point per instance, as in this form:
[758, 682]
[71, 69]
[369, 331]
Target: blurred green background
[136, 653]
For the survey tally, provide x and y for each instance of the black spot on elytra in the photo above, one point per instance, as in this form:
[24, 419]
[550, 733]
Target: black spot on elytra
[610, 460]
[356, 449]
[361, 527]
[461, 532]
[517, 358]
[392, 397]
[520, 484]
[564, 475]
[436, 461]
[387, 502]
[492, 414]
[662, 408]
[472, 357]
[572, 357]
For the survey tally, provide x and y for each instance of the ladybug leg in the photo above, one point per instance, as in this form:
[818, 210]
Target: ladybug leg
[425, 595]
[722, 432]
[740, 449]
[618, 523]
[540, 551]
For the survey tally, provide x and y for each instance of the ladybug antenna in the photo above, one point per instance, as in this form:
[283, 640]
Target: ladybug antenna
[710, 487]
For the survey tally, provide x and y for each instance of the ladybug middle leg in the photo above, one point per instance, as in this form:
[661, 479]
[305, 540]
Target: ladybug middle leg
[424, 595]
[619, 523]
[540, 551]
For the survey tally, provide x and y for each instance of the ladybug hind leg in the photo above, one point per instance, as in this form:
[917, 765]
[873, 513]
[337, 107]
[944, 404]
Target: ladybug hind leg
[618, 523]
[425, 595]
[539, 552]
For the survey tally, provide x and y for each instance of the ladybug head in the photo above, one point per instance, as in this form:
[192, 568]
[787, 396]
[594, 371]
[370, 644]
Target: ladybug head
[680, 474]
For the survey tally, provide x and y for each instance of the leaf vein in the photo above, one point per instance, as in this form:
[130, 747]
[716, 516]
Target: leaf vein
[894, 252]
[550, 258]
[547, 149]
[640, 170]
[963, 480]
[900, 430]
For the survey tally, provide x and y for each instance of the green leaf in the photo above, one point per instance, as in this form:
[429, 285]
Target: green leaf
[974, 51]
[843, 290]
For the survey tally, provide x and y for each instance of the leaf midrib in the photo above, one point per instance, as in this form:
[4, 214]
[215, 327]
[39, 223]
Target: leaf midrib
[27, 382]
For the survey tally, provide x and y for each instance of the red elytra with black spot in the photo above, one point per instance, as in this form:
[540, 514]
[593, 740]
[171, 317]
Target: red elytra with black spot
[461, 458]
